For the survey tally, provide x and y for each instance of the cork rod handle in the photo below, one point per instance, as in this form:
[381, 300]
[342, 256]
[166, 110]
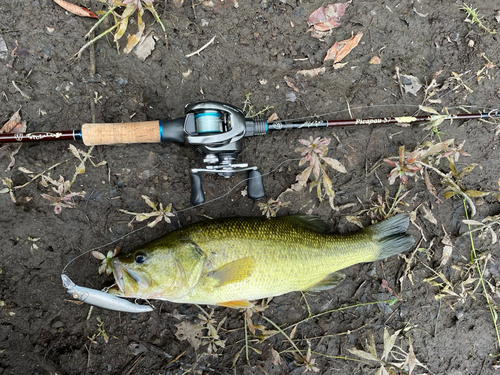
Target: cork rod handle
[115, 133]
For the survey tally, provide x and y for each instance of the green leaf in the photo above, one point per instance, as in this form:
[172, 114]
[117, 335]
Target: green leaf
[476, 193]
[449, 194]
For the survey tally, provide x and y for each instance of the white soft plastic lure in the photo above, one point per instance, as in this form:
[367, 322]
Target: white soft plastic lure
[101, 299]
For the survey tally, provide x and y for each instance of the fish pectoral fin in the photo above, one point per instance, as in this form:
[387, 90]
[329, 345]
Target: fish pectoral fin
[328, 282]
[233, 272]
[236, 304]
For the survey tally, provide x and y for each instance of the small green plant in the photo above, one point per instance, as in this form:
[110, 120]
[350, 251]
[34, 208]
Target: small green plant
[314, 151]
[160, 213]
[249, 109]
[474, 18]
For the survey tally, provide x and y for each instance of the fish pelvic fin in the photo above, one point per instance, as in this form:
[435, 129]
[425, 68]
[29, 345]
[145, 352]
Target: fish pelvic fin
[328, 282]
[243, 304]
[234, 271]
[391, 237]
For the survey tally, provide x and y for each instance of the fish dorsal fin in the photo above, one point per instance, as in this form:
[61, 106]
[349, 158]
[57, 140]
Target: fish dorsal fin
[308, 221]
[236, 304]
[237, 270]
[328, 282]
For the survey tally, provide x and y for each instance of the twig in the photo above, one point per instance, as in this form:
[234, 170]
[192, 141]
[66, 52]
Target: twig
[197, 52]
[21, 91]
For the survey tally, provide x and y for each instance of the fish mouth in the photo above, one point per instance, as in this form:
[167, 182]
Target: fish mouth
[130, 283]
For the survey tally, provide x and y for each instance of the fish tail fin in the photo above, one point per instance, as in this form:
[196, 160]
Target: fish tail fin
[391, 236]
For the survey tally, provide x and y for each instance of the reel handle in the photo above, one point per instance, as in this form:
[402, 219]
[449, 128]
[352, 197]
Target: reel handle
[255, 185]
[197, 195]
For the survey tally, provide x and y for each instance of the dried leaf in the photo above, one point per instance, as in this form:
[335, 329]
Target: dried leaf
[389, 341]
[3, 49]
[411, 84]
[145, 47]
[74, 151]
[14, 125]
[447, 249]
[98, 255]
[429, 185]
[428, 109]
[341, 49]
[428, 215]
[25, 170]
[276, 357]
[354, 220]
[375, 60]
[412, 360]
[291, 83]
[178, 3]
[190, 332]
[335, 164]
[325, 19]
[303, 177]
[133, 40]
[363, 354]
[75, 9]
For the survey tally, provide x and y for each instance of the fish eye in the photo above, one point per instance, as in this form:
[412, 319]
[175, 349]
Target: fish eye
[140, 258]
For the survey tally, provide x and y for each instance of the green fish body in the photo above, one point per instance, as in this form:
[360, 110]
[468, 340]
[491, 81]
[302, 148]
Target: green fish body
[232, 261]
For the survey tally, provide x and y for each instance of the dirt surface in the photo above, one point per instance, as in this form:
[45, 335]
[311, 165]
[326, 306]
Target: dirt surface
[257, 44]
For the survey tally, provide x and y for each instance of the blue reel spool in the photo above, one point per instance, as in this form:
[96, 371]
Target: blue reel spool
[208, 122]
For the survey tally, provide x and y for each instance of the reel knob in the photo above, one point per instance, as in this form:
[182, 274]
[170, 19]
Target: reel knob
[255, 185]
[197, 195]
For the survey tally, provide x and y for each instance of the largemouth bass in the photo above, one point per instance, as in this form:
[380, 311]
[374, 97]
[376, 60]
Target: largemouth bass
[230, 262]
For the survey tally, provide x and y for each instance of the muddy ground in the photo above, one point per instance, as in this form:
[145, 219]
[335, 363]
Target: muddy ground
[257, 44]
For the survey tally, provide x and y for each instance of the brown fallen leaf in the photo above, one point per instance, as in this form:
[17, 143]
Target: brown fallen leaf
[341, 49]
[293, 84]
[375, 60]
[14, 125]
[325, 19]
[75, 9]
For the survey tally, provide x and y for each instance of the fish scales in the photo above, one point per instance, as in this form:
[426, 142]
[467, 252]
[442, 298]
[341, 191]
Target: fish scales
[231, 261]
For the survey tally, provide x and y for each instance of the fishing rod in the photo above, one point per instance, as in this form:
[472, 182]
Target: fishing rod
[216, 129]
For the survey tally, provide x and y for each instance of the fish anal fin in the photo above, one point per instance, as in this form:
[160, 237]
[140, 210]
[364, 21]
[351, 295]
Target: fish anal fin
[328, 282]
[236, 304]
[233, 272]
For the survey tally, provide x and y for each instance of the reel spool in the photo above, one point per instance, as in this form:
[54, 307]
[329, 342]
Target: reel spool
[208, 122]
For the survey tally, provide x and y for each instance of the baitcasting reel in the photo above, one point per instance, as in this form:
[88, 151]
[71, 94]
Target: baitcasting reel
[217, 129]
